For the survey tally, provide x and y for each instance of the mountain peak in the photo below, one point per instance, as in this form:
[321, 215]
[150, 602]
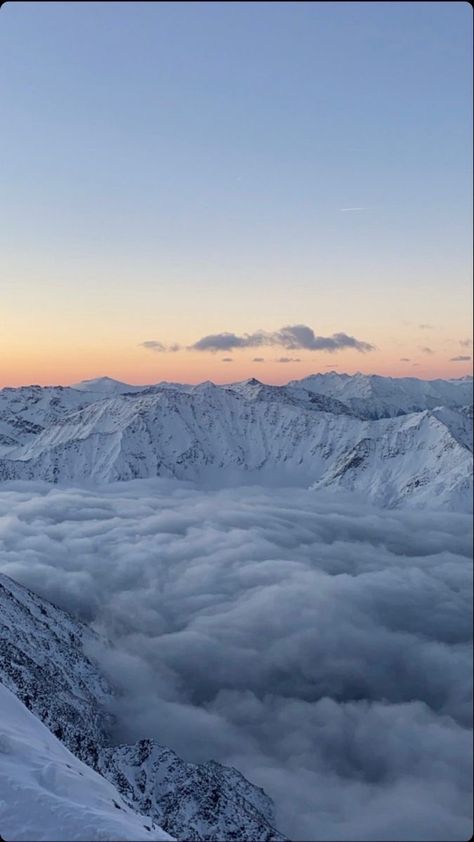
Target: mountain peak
[107, 385]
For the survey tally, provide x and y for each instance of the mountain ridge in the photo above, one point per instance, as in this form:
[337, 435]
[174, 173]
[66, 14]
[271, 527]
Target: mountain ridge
[417, 434]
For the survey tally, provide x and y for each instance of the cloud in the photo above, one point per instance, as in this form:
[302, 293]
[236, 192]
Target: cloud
[460, 359]
[292, 337]
[288, 360]
[465, 343]
[226, 342]
[426, 326]
[153, 345]
[158, 347]
[405, 359]
[226, 360]
[426, 350]
[319, 645]
[348, 210]
[258, 360]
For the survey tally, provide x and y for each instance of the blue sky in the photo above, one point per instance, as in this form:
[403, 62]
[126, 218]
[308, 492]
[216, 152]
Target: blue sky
[175, 169]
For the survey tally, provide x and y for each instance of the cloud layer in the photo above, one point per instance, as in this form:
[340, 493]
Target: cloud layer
[321, 647]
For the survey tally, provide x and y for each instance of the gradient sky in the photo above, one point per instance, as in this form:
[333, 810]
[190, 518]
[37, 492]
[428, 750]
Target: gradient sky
[174, 170]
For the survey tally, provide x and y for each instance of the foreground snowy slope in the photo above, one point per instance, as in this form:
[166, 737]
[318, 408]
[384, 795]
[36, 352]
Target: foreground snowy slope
[42, 661]
[48, 794]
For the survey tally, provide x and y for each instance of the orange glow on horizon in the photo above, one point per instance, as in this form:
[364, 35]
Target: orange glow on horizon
[146, 367]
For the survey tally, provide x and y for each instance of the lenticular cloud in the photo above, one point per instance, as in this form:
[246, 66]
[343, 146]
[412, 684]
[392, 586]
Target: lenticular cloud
[319, 646]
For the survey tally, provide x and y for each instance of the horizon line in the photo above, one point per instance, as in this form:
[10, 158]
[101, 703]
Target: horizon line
[106, 377]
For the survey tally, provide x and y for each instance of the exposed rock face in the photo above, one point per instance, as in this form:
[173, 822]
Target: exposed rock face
[209, 800]
[42, 661]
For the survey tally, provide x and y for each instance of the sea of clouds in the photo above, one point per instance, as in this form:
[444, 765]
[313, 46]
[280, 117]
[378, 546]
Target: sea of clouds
[320, 646]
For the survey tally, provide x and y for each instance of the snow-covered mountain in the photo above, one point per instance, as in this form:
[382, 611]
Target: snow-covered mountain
[44, 663]
[373, 396]
[394, 441]
[106, 386]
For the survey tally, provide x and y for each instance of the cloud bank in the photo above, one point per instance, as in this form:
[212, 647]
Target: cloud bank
[291, 337]
[320, 646]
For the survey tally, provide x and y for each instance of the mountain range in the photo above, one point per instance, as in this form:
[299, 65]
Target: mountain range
[396, 441]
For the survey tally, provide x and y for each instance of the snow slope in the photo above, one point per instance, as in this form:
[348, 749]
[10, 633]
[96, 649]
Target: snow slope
[46, 793]
[42, 661]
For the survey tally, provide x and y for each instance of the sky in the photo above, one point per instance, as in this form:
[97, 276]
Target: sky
[172, 172]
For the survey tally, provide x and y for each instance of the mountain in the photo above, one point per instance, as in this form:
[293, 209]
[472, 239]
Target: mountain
[44, 663]
[210, 801]
[394, 441]
[48, 794]
[373, 396]
[106, 386]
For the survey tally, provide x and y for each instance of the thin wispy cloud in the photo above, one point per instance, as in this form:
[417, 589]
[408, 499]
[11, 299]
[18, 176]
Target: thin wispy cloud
[465, 343]
[461, 358]
[258, 360]
[350, 210]
[426, 350]
[227, 360]
[405, 359]
[153, 345]
[426, 326]
[288, 360]
[159, 347]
